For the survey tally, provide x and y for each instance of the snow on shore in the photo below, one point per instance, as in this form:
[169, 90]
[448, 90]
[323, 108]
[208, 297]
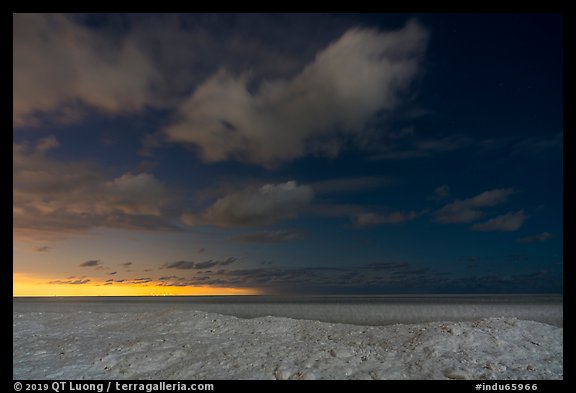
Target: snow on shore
[200, 345]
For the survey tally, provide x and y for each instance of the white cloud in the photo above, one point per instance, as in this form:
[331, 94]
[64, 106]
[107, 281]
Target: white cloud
[362, 73]
[61, 64]
[58, 63]
[508, 222]
[251, 207]
[468, 210]
[137, 194]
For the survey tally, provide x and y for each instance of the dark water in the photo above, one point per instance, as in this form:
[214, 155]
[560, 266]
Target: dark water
[362, 310]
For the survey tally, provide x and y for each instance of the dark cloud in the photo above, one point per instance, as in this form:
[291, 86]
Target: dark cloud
[90, 263]
[363, 216]
[179, 265]
[188, 265]
[306, 278]
[414, 147]
[376, 277]
[387, 265]
[277, 236]
[166, 278]
[142, 280]
[350, 184]
[112, 280]
[369, 219]
[73, 282]
[42, 249]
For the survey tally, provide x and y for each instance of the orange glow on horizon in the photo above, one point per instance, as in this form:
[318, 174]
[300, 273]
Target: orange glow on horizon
[24, 285]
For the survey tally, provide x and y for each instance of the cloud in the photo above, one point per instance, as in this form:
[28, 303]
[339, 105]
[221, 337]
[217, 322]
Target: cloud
[387, 265]
[59, 63]
[394, 276]
[91, 263]
[393, 217]
[112, 280]
[187, 265]
[442, 192]
[468, 210]
[541, 237]
[383, 276]
[73, 282]
[136, 194]
[65, 65]
[252, 207]
[142, 280]
[412, 147]
[47, 143]
[278, 236]
[42, 249]
[538, 146]
[508, 222]
[55, 198]
[362, 73]
[349, 184]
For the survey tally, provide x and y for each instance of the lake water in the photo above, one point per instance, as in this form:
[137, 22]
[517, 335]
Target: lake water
[359, 310]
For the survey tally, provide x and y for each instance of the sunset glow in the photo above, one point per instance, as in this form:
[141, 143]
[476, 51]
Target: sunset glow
[29, 286]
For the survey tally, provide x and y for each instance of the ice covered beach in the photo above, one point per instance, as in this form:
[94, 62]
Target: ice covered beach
[352, 338]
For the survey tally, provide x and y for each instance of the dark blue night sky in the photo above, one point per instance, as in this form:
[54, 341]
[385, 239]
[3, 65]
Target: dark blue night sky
[288, 154]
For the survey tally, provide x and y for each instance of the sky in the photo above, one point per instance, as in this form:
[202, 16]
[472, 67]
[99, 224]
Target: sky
[287, 154]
